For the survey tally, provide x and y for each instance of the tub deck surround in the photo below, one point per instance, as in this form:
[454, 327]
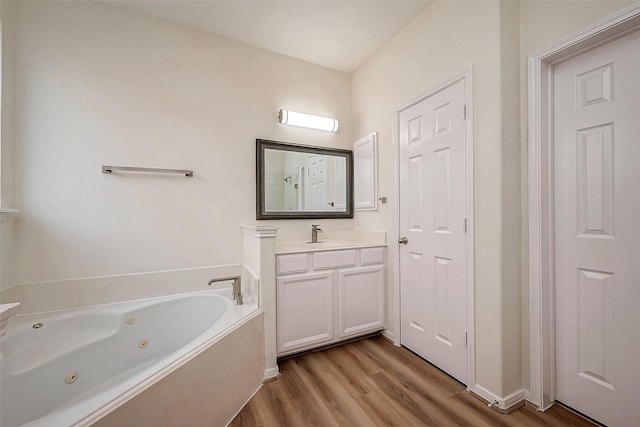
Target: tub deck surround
[258, 256]
[7, 311]
[72, 367]
[75, 293]
[186, 397]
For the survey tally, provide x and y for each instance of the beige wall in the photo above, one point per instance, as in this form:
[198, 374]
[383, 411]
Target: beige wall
[496, 38]
[6, 180]
[7, 223]
[96, 85]
[511, 208]
[429, 50]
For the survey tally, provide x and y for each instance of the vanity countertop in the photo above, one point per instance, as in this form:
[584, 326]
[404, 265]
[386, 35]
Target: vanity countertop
[301, 246]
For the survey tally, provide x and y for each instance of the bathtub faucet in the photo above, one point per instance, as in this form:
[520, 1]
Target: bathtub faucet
[237, 287]
[315, 229]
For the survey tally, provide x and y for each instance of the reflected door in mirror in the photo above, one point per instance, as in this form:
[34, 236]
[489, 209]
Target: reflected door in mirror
[295, 181]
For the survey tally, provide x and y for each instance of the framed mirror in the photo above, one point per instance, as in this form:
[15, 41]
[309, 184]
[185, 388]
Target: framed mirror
[297, 181]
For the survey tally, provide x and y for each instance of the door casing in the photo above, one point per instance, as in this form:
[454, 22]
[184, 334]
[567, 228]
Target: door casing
[542, 385]
[466, 75]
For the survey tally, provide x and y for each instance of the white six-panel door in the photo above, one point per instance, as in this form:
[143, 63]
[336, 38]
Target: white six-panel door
[432, 217]
[597, 231]
[317, 183]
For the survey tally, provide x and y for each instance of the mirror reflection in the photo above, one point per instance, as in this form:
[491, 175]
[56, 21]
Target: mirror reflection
[296, 181]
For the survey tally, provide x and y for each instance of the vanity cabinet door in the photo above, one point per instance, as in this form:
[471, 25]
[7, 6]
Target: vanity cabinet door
[305, 311]
[360, 300]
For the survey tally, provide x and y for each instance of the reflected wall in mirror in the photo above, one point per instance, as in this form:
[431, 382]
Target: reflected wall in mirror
[298, 181]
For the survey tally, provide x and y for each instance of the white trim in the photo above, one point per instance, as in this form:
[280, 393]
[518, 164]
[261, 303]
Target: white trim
[271, 373]
[394, 249]
[541, 217]
[260, 231]
[501, 402]
[465, 75]
[471, 347]
[372, 204]
[390, 336]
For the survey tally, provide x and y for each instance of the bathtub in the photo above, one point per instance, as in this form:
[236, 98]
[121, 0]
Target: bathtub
[82, 366]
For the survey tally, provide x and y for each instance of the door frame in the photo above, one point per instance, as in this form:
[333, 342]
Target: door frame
[542, 384]
[465, 75]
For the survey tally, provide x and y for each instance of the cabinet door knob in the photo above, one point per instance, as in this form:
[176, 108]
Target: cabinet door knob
[403, 240]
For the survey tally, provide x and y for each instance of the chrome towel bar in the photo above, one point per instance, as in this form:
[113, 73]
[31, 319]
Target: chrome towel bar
[109, 169]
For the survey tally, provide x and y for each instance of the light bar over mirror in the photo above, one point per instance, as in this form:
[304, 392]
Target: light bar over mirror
[293, 118]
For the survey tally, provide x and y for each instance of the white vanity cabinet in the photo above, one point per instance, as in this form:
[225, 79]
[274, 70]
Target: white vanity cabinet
[328, 296]
[304, 311]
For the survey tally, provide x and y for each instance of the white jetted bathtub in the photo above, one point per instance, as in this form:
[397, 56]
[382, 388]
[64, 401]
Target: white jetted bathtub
[73, 367]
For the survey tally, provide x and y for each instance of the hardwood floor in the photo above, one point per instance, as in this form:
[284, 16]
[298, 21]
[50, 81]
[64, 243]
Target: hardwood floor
[374, 383]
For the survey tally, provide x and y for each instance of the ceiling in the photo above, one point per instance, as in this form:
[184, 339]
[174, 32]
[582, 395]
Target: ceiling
[340, 35]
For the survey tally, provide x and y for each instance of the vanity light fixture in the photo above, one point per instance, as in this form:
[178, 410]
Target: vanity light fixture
[292, 118]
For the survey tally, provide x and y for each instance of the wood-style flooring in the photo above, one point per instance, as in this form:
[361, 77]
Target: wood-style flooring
[371, 382]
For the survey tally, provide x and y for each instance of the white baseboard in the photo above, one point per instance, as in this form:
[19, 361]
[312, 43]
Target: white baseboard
[501, 402]
[390, 335]
[271, 373]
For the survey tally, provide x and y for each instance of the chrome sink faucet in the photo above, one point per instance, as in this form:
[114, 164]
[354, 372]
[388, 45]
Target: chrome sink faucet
[315, 229]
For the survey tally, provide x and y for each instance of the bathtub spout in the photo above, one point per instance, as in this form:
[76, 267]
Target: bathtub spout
[237, 287]
[237, 291]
